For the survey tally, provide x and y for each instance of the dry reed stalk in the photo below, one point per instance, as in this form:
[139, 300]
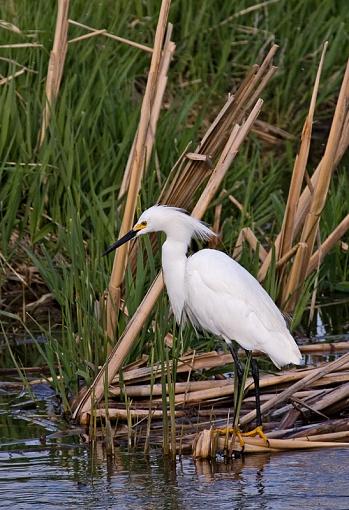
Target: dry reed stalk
[269, 133]
[192, 397]
[7, 79]
[138, 363]
[306, 196]
[184, 365]
[182, 183]
[325, 437]
[237, 204]
[55, 65]
[126, 341]
[166, 57]
[136, 172]
[291, 412]
[296, 444]
[328, 244]
[229, 152]
[246, 234]
[146, 390]
[332, 397]
[263, 82]
[214, 242]
[21, 45]
[112, 36]
[309, 379]
[283, 260]
[301, 262]
[324, 347]
[205, 443]
[86, 36]
[331, 379]
[125, 414]
[329, 426]
[297, 394]
[294, 281]
[287, 230]
[208, 444]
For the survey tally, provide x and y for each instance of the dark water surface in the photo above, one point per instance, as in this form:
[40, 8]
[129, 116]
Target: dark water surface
[63, 473]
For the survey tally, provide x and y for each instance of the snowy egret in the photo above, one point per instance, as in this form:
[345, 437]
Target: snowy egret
[216, 294]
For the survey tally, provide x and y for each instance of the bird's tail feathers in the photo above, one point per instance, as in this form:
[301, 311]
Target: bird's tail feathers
[288, 353]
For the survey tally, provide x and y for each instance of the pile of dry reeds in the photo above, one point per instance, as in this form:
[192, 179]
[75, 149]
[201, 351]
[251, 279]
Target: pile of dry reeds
[303, 408]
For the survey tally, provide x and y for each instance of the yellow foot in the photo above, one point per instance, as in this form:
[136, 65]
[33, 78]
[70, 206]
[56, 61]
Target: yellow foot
[258, 431]
[235, 431]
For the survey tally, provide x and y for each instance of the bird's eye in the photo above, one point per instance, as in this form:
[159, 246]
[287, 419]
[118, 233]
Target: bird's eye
[144, 223]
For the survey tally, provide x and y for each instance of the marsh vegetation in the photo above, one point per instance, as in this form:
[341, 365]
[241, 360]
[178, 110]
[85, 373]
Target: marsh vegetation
[63, 188]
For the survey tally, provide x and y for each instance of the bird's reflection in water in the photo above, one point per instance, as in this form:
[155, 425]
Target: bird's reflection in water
[236, 471]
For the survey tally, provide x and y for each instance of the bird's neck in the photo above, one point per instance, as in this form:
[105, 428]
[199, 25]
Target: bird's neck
[174, 262]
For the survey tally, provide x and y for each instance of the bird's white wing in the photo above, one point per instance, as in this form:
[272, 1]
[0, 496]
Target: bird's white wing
[225, 299]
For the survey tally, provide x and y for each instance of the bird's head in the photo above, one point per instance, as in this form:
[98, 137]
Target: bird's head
[175, 222]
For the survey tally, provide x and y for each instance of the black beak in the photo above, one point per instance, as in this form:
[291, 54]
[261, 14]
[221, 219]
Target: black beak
[130, 235]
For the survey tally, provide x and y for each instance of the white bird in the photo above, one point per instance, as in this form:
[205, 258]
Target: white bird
[214, 292]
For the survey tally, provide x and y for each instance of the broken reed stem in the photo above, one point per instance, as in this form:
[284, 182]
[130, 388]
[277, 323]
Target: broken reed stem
[111, 36]
[328, 244]
[281, 262]
[5, 80]
[229, 152]
[55, 65]
[181, 185]
[126, 341]
[136, 172]
[287, 230]
[301, 262]
[213, 242]
[167, 54]
[246, 234]
[331, 398]
[86, 36]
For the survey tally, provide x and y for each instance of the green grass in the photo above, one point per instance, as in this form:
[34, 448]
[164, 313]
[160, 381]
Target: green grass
[58, 205]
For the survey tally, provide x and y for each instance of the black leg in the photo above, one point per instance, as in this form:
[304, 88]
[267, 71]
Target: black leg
[237, 362]
[255, 375]
[239, 373]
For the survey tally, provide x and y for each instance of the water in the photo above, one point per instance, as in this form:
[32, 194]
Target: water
[66, 473]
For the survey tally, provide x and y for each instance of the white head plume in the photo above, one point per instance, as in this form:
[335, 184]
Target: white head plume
[175, 222]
